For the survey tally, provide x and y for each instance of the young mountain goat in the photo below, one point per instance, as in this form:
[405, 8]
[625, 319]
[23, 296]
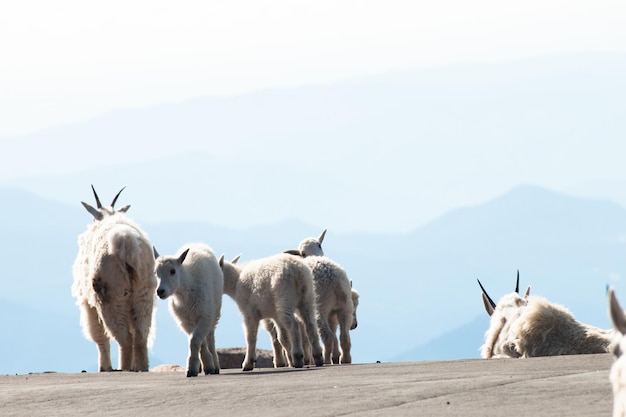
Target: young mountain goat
[532, 326]
[336, 301]
[333, 322]
[194, 282]
[279, 288]
[114, 286]
[334, 305]
[618, 369]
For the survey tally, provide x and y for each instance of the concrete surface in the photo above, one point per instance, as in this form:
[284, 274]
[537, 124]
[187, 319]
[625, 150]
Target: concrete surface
[555, 386]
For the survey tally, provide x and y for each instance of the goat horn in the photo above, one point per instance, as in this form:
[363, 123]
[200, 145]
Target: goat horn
[115, 199]
[486, 295]
[96, 195]
[321, 238]
[517, 284]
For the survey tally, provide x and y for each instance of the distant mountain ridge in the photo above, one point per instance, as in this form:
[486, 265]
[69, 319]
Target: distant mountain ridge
[385, 153]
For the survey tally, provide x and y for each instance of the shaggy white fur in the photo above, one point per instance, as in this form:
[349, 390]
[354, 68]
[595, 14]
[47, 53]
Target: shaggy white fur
[114, 286]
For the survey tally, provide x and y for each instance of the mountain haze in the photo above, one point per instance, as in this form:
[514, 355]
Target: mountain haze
[385, 154]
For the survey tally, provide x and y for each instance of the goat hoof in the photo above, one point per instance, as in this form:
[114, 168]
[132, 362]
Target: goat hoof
[319, 361]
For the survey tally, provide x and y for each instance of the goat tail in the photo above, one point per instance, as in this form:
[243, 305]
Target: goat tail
[129, 246]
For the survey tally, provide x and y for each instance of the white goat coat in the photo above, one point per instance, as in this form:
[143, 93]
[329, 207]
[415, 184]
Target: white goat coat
[195, 300]
[114, 286]
[618, 369]
[277, 287]
[334, 304]
[532, 326]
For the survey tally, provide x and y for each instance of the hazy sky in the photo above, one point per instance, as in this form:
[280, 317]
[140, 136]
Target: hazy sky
[64, 61]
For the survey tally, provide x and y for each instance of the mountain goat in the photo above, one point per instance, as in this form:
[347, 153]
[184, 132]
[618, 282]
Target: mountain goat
[335, 300]
[279, 288]
[114, 286]
[194, 282]
[618, 369]
[334, 305]
[527, 326]
[281, 360]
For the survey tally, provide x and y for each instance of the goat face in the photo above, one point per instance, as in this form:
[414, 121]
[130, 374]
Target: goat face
[500, 340]
[168, 271]
[168, 276]
[618, 370]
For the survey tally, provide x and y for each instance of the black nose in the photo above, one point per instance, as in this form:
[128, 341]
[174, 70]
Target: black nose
[160, 292]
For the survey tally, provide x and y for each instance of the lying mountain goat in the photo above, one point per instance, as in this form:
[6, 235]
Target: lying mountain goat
[532, 326]
[114, 286]
[279, 288]
[618, 369]
[194, 282]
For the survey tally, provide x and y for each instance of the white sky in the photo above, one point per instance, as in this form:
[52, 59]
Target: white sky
[63, 61]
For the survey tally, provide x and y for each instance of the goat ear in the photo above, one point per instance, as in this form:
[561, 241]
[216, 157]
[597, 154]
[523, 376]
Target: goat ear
[221, 261]
[124, 209]
[527, 293]
[617, 314]
[488, 307]
[321, 238]
[182, 256]
[235, 259]
[295, 252]
[156, 253]
[94, 212]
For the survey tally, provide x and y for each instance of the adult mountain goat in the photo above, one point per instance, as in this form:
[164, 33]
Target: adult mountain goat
[618, 369]
[527, 326]
[114, 286]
